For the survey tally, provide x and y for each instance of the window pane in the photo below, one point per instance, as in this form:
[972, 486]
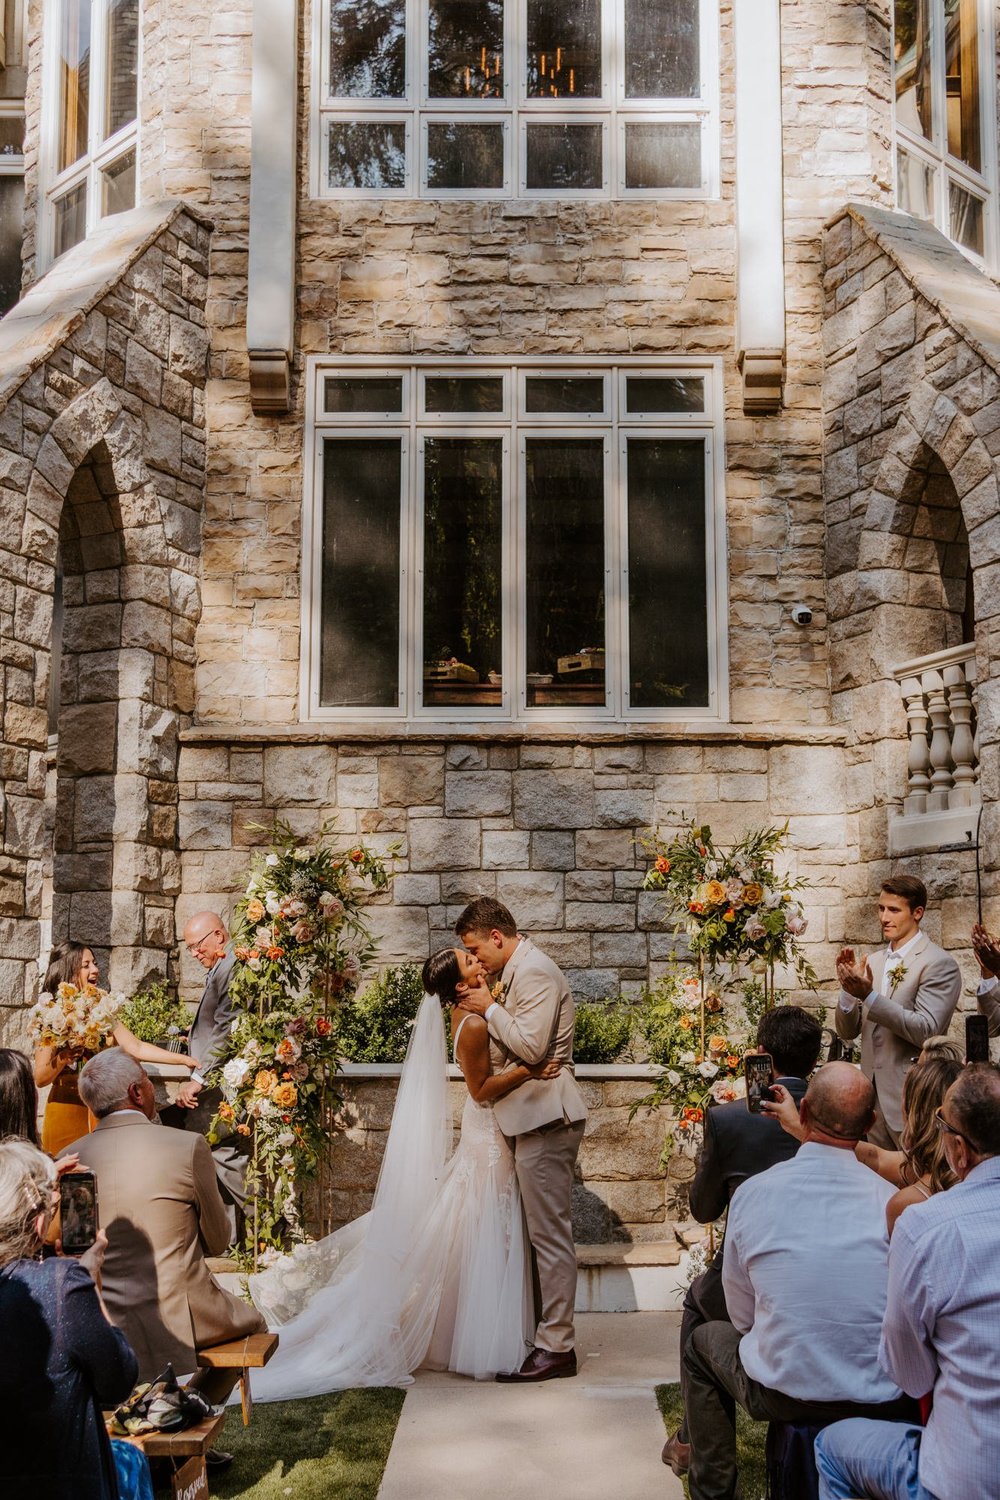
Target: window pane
[364, 393]
[663, 154]
[123, 59]
[466, 49]
[472, 393]
[668, 591]
[661, 49]
[359, 639]
[915, 186]
[367, 49]
[664, 393]
[71, 219]
[912, 65]
[367, 154]
[965, 212]
[565, 156]
[564, 394]
[11, 135]
[564, 49]
[962, 81]
[564, 509]
[465, 156]
[74, 67]
[463, 508]
[118, 185]
[11, 222]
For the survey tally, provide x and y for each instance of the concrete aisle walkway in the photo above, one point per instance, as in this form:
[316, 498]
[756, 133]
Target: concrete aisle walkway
[591, 1438]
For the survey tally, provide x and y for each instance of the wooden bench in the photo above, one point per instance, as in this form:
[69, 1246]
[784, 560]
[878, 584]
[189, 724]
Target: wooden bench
[245, 1354]
[191, 1442]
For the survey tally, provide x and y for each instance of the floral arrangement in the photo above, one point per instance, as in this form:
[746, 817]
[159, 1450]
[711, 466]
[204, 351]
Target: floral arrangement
[301, 947]
[79, 1019]
[695, 1075]
[734, 905]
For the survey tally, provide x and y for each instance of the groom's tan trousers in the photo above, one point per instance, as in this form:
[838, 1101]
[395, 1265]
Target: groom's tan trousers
[544, 1160]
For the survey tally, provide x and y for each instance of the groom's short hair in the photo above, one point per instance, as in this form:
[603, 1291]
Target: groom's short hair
[483, 914]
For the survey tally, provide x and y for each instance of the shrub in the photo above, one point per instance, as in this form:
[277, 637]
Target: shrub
[156, 1015]
[375, 1025]
[603, 1031]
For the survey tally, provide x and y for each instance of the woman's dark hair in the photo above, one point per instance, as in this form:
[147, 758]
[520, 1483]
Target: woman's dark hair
[441, 974]
[18, 1097]
[924, 1088]
[65, 963]
[793, 1038]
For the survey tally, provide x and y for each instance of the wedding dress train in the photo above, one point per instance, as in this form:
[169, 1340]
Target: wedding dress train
[437, 1274]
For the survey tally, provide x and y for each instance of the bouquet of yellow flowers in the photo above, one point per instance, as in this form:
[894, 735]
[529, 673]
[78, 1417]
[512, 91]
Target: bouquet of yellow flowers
[75, 1018]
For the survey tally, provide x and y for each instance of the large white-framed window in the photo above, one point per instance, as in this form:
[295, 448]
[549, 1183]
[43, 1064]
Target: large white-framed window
[90, 116]
[531, 542]
[515, 98]
[945, 119]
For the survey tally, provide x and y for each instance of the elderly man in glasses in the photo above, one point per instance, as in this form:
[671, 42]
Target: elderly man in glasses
[942, 1327]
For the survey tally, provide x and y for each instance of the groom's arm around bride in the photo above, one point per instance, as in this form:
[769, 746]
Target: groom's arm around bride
[544, 1118]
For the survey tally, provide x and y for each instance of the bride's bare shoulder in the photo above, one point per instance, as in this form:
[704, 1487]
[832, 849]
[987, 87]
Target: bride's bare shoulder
[471, 1023]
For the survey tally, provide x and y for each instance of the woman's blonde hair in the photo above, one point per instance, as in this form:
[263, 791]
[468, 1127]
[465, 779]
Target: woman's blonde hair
[924, 1087]
[26, 1178]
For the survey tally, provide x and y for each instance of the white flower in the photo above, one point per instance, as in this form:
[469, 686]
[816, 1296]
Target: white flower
[673, 1078]
[287, 1163]
[273, 903]
[711, 869]
[796, 924]
[303, 853]
[772, 899]
[286, 1138]
[691, 994]
[754, 929]
[272, 860]
[686, 1058]
[723, 1091]
[254, 963]
[251, 888]
[236, 1072]
[708, 1069]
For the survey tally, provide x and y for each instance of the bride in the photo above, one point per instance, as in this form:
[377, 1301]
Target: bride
[438, 1274]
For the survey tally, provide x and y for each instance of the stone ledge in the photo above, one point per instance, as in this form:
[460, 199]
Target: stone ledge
[655, 1253]
[387, 732]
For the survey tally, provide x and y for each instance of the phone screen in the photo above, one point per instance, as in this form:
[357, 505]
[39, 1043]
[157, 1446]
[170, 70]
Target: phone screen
[77, 1211]
[757, 1071]
[977, 1039]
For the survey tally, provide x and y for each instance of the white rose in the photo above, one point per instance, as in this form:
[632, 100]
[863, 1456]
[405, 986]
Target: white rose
[251, 887]
[304, 853]
[708, 1069]
[687, 1057]
[673, 1078]
[272, 860]
[796, 925]
[272, 901]
[286, 1138]
[235, 1072]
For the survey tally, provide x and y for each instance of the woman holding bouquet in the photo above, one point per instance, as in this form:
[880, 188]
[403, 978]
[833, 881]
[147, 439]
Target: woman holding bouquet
[66, 1117]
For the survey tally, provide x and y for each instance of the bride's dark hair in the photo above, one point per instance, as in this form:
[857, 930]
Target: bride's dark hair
[441, 974]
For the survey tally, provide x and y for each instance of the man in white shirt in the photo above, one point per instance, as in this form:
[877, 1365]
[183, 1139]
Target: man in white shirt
[942, 1327]
[896, 1000]
[804, 1273]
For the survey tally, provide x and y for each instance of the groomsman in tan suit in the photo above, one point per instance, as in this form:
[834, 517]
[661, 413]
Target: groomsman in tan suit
[159, 1203]
[896, 999]
[531, 1020]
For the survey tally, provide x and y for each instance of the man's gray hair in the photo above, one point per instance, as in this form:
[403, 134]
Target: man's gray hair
[106, 1080]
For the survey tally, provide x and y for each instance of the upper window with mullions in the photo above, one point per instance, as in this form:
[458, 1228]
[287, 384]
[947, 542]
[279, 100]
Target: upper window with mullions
[513, 98]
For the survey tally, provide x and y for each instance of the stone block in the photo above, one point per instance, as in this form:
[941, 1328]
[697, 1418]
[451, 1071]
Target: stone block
[807, 778]
[615, 1149]
[567, 949]
[466, 758]
[357, 791]
[600, 916]
[87, 739]
[444, 844]
[552, 851]
[641, 1202]
[549, 799]
[205, 825]
[535, 897]
[411, 780]
[299, 773]
[589, 885]
[592, 984]
[400, 932]
[459, 887]
[505, 849]
[480, 793]
[622, 950]
[652, 913]
[597, 849]
[417, 890]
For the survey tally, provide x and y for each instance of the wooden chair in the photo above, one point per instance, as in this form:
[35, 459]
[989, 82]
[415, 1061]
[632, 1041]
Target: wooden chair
[245, 1354]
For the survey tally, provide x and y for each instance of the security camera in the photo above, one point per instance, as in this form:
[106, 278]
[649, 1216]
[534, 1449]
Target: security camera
[802, 614]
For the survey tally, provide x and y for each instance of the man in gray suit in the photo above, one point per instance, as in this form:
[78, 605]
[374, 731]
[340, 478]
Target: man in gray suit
[205, 937]
[896, 1000]
[531, 1019]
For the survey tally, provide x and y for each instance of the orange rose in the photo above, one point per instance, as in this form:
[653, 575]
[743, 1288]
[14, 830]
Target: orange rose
[663, 865]
[265, 1081]
[255, 910]
[356, 856]
[284, 1095]
[243, 1130]
[226, 1111]
[275, 953]
[323, 1026]
[732, 1061]
[753, 894]
[729, 916]
[714, 893]
[697, 907]
[685, 1023]
[716, 1044]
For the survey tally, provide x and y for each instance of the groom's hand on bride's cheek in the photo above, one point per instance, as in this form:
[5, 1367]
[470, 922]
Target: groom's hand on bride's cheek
[477, 998]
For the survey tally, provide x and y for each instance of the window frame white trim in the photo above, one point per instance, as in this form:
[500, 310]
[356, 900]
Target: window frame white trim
[514, 425]
[515, 107]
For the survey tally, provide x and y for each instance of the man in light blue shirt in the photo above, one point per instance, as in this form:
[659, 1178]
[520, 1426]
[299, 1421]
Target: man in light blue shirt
[804, 1273]
[941, 1330]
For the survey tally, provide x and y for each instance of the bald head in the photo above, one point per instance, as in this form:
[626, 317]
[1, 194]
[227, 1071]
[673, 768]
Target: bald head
[205, 937]
[839, 1105]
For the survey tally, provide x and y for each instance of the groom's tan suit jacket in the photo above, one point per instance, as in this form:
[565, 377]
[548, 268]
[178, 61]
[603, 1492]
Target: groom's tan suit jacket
[535, 1024]
[895, 1024]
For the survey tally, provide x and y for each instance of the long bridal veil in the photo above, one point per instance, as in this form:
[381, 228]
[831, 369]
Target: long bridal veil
[338, 1302]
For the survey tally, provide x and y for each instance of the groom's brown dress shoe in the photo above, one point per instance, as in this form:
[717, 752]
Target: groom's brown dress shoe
[677, 1455]
[542, 1364]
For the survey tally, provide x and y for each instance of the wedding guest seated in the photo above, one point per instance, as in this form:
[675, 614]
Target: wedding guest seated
[942, 1327]
[18, 1097]
[738, 1145]
[804, 1275]
[62, 1357]
[160, 1204]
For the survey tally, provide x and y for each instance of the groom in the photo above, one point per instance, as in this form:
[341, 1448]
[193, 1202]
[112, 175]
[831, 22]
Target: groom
[530, 1018]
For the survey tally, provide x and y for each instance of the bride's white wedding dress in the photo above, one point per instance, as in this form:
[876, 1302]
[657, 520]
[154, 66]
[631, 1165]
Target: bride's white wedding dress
[438, 1274]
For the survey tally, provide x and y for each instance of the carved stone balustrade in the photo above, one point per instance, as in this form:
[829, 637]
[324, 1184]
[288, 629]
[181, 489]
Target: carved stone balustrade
[942, 800]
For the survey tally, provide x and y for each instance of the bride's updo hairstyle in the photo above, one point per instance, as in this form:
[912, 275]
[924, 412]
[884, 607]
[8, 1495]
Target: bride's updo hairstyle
[441, 974]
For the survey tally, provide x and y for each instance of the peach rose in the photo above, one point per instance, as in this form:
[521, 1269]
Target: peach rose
[285, 1095]
[265, 1081]
[714, 893]
[753, 894]
[255, 910]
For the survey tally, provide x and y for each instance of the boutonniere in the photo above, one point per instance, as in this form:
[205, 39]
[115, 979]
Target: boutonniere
[896, 977]
[499, 991]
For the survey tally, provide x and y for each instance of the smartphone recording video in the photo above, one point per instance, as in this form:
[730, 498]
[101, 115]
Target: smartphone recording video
[757, 1071]
[977, 1039]
[77, 1211]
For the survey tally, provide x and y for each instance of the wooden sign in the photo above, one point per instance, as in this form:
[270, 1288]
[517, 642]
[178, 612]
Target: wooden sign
[190, 1481]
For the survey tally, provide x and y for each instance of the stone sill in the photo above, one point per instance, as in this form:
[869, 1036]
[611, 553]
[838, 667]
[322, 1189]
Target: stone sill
[689, 732]
[919, 833]
[594, 1072]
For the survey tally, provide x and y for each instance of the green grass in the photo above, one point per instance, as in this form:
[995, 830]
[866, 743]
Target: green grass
[750, 1438]
[328, 1448]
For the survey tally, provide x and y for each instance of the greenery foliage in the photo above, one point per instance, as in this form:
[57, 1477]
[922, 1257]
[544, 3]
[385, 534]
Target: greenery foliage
[751, 1438]
[156, 1015]
[604, 1031]
[375, 1025]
